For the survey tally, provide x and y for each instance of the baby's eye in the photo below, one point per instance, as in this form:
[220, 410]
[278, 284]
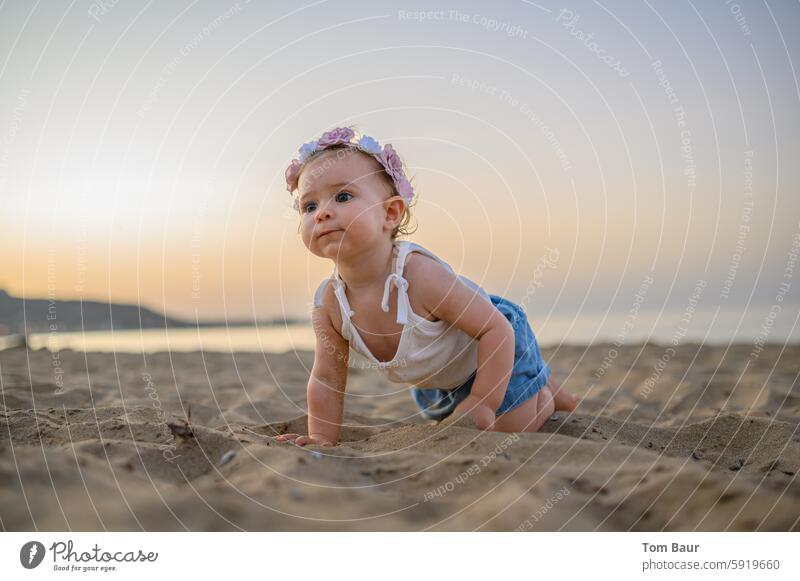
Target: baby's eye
[307, 206]
[343, 194]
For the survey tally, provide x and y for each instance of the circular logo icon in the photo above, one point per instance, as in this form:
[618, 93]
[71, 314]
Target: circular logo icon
[31, 554]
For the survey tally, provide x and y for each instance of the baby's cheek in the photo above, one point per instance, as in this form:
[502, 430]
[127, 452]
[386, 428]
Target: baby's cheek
[366, 219]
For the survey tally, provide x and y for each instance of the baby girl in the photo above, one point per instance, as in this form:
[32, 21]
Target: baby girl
[464, 352]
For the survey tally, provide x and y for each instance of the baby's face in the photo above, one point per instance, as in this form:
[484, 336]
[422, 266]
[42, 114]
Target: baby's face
[342, 211]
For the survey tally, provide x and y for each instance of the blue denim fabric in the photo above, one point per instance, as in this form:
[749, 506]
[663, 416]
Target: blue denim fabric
[529, 374]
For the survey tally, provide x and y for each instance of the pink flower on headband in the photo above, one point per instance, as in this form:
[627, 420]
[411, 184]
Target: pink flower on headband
[391, 161]
[292, 175]
[335, 136]
[404, 190]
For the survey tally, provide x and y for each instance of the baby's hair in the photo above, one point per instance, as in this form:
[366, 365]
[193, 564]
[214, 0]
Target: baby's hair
[402, 229]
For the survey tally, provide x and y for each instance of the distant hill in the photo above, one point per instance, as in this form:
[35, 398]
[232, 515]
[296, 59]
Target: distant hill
[39, 314]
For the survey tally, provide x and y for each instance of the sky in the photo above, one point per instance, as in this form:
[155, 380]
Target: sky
[566, 155]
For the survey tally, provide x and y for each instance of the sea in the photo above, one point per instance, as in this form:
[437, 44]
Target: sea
[716, 326]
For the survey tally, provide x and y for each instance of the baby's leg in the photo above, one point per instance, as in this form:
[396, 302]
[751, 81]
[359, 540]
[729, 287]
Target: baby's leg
[530, 416]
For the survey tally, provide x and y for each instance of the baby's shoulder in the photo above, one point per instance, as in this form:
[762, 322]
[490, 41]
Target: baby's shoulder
[326, 304]
[428, 280]
[432, 281]
[421, 269]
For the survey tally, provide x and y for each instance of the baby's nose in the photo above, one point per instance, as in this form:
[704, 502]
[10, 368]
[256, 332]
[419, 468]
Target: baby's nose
[323, 214]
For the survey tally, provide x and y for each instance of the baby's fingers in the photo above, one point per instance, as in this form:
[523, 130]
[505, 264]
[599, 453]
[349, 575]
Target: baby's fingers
[300, 440]
[286, 437]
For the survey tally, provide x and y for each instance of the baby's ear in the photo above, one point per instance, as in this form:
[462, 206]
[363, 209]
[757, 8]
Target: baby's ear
[395, 207]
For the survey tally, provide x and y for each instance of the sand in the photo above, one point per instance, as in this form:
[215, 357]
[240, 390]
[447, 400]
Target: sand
[706, 440]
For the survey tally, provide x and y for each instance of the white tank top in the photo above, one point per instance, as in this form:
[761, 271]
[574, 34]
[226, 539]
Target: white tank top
[431, 354]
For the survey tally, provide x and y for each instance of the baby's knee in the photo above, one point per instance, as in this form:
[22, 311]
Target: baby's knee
[528, 417]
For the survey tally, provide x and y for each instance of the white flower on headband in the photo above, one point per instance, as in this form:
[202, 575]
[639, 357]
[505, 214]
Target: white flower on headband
[307, 149]
[368, 145]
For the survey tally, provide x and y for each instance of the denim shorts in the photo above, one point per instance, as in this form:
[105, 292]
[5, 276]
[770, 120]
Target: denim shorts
[529, 374]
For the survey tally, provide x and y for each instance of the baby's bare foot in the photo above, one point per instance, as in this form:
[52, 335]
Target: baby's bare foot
[564, 400]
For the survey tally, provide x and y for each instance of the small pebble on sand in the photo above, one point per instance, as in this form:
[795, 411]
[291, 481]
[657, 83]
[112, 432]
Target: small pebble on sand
[227, 457]
[737, 465]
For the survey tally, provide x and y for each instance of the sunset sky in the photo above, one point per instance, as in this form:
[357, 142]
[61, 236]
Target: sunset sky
[563, 150]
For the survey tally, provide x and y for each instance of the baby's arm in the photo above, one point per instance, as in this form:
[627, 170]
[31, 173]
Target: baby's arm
[444, 295]
[326, 386]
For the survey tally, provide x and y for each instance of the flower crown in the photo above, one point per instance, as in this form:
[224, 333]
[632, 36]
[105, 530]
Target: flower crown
[385, 155]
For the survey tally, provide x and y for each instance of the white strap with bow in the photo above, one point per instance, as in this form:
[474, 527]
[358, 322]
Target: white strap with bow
[402, 302]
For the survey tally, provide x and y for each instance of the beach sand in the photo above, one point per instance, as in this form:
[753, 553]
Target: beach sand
[707, 440]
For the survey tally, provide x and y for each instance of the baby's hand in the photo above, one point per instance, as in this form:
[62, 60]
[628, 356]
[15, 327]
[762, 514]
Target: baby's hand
[301, 440]
[473, 411]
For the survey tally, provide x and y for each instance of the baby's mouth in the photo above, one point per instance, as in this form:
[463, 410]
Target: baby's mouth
[326, 232]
